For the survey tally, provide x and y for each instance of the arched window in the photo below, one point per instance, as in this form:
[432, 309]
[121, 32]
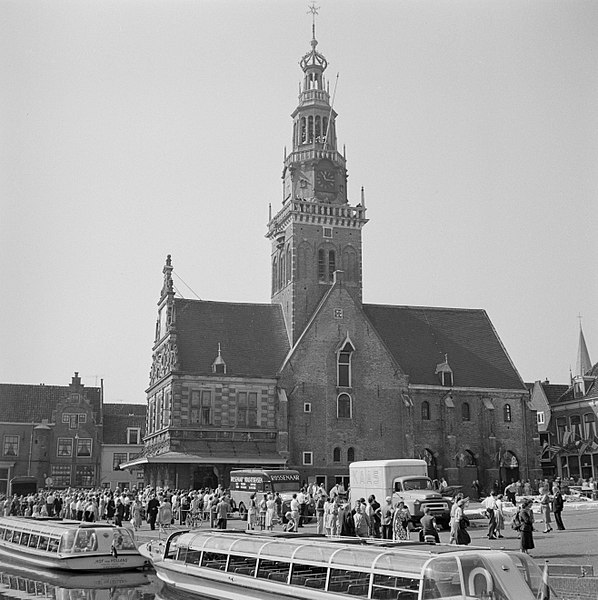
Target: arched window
[303, 130]
[465, 412]
[425, 410]
[507, 413]
[310, 129]
[325, 128]
[331, 265]
[288, 263]
[343, 370]
[318, 128]
[274, 273]
[343, 406]
[321, 265]
[336, 455]
[350, 454]
[281, 276]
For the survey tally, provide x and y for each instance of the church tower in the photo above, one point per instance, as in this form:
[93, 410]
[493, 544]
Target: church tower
[317, 231]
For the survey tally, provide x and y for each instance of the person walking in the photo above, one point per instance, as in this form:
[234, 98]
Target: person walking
[454, 524]
[545, 509]
[362, 521]
[489, 503]
[153, 505]
[386, 513]
[252, 512]
[400, 522]
[320, 509]
[429, 530]
[270, 512]
[526, 517]
[222, 510]
[463, 537]
[500, 516]
[557, 507]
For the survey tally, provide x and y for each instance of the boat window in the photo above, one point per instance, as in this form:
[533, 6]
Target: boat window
[2, 532]
[25, 538]
[278, 549]
[247, 545]
[276, 570]
[193, 557]
[43, 542]
[86, 540]
[53, 544]
[218, 543]
[313, 553]
[16, 537]
[309, 575]
[181, 554]
[390, 586]
[8, 535]
[441, 579]
[33, 540]
[354, 583]
[214, 560]
[67, 541]
[355, 557]
[243, 565]
[480, 582]
[404, 563]
[123, 540]
[529, 571]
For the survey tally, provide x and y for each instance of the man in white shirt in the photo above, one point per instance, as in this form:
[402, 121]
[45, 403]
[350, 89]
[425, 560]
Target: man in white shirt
[489, 503]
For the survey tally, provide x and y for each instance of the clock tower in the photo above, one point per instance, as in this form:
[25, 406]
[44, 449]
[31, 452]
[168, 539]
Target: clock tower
[316, 232]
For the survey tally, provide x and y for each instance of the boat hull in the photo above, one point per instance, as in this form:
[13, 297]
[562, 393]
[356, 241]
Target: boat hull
[75, 562]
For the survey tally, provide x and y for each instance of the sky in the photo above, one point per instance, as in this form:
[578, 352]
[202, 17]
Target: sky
[135, 129]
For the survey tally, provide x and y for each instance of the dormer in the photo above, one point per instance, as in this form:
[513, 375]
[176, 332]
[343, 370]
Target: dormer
[219, 366]
[445, 373]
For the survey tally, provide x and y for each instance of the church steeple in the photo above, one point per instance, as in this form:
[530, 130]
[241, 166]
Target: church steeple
[317, 231]
[583, 364]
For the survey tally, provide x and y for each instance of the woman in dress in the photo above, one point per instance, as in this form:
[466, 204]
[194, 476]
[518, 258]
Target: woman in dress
[499, 515]
[526, 517]
[400, 522]
[136, 514]
[270, 512]
[165, 513]
[462, 521]
[545, 508]
[252, 512]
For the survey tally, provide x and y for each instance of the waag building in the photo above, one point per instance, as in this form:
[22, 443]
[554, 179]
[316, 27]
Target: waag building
[317, 378]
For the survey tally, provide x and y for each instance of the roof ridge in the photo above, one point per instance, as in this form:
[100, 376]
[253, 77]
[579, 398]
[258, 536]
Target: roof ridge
[195, 301]
[420, 307]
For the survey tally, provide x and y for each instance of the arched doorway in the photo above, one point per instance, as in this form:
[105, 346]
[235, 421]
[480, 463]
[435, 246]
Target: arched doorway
[204, 477]
[509, 468]
[468, 471]
[430, 459]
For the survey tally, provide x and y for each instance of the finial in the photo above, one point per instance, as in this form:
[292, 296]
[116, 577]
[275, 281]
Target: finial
[313, 10]
[362, 197]
[580, 318]
[219, 349]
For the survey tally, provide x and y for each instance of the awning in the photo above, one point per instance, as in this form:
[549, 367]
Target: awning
[183, 458]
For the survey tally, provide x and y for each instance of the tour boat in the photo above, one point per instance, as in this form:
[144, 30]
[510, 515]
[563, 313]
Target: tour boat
[57, 585]
[70, 545]
[231, 565]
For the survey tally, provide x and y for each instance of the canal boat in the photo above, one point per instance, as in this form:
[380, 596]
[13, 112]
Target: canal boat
[230, 565]
[69, 545]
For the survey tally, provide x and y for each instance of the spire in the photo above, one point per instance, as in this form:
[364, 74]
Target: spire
[168, 284]
[313, 59]
[584, 364]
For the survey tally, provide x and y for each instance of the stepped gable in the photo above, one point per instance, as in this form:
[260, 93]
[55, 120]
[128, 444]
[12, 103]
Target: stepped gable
[119, 417]
[31, 403]
[420, 337]
[252, 337]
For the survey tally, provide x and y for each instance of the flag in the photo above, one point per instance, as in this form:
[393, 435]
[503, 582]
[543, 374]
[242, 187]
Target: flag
[544, 591]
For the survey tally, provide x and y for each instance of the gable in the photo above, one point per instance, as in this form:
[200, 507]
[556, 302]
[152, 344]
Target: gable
[252, 337]
[420, 337]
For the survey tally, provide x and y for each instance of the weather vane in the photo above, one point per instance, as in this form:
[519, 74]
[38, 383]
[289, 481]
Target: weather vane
[313, 10]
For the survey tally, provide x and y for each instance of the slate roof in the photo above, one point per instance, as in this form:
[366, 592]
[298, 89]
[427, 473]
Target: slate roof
[419, 338]
[553, 391]
[118, 417]
[252, 337]
[30, 403]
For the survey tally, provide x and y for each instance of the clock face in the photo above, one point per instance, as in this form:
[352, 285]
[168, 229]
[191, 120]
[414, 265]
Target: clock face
[325, 180]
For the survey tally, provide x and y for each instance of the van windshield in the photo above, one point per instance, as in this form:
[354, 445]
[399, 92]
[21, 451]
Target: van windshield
[417, 484]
